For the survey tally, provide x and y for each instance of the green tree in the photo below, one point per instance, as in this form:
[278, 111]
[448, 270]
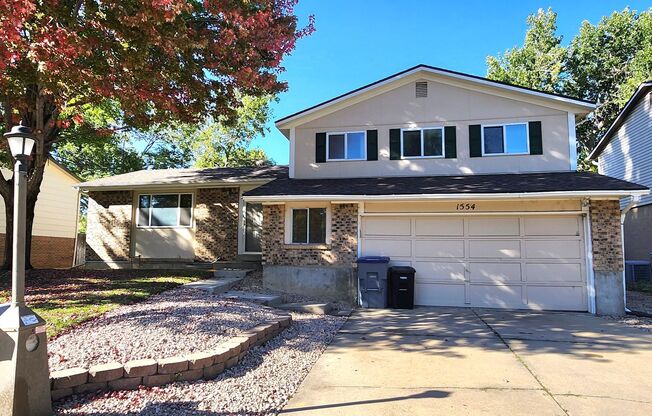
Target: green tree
[221, 142]
[539, 62]
[605, 64]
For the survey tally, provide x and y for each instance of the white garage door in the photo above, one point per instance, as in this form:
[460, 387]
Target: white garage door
[524, 262]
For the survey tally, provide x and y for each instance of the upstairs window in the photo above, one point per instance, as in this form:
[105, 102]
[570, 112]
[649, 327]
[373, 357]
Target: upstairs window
[505, 139]
[309, 225]
[347, 146]
[417, 143]
[164, 210]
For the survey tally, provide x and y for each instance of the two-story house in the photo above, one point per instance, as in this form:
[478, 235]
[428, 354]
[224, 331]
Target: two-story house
[472, 182]
[625, 152]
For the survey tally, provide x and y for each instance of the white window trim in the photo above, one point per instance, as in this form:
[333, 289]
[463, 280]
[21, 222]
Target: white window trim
[290, 207]
[346, 147]
[421, 129]
[149, 219]
[504, 126]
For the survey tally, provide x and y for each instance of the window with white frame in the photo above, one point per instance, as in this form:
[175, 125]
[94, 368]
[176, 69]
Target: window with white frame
[347, 146]
[309, 225]
[505, 139]
[164, 210]
[427, 142]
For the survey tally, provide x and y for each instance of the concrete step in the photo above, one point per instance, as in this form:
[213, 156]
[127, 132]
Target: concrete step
[215, 285]
[255, 258]
[316, 308]
[263, 299]
[232, 273]
[245, 265]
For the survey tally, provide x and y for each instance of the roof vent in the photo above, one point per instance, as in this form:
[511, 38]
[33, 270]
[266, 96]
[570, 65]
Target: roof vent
[421, 89]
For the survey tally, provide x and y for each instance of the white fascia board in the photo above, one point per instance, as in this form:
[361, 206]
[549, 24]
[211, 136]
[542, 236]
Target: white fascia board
[175, 185]
[420, 197]
[572, 142]
[288, 122]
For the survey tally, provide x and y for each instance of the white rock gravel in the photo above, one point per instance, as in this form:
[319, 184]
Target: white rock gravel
[177, 321]
[260, 385]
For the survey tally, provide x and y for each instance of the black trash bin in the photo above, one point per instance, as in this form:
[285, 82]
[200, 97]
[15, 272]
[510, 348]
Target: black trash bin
[372, 281]
[401, 287]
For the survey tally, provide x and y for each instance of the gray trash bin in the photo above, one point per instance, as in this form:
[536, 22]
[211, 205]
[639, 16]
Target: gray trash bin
[372, 281]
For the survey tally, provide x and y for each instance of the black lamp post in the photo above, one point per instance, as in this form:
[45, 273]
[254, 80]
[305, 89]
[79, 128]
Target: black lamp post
[25, 384]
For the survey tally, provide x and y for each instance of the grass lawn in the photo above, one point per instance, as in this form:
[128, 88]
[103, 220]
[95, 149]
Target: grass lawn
[65, 298]
[640, 287]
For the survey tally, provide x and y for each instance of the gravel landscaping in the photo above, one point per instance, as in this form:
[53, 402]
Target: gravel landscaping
[181, 320]
[260, 385]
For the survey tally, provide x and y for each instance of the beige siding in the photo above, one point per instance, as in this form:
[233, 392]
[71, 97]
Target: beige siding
[445, 105]
[57, 204]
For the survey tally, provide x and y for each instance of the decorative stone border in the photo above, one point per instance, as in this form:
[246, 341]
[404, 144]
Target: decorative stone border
[205, 365]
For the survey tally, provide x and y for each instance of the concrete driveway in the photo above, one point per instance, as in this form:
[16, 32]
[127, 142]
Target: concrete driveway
[454, 361]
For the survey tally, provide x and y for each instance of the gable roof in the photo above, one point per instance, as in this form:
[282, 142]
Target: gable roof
[64, 169]
[446, 73]
[641, 92]
[180, 177]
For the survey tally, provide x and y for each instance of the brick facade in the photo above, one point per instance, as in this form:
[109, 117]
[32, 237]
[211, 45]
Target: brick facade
[48, 252]
[606, 236]
[108, 236]
[342, 251]
[216, 222]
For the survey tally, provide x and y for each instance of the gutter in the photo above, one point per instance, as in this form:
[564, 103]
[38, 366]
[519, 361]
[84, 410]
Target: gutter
[632, 201]
[173, 185]
[418, 197]
[623, 214]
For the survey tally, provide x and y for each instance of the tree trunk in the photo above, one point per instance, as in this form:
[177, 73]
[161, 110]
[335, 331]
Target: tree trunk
[32, 197]
[41, 116]
[33, 189]
[9, 230]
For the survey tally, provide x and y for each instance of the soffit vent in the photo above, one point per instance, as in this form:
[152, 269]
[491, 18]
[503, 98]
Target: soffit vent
[421, 89]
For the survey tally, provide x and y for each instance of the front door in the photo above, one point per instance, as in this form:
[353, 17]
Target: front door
[253, 227]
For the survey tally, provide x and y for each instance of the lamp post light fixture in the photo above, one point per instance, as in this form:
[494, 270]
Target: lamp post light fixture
[25, 380]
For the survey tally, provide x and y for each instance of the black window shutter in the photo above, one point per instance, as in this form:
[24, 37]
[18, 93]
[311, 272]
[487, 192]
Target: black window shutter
[450, 142]
[320, 147]
[475, 140]
[372, 144]
[394, 144]
[536, 139]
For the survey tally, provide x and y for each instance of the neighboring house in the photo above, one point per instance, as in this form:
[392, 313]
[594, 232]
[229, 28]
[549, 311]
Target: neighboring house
[472, 182]
[55, 218]
[625, 152]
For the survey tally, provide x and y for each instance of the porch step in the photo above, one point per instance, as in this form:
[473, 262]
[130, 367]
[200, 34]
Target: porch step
[215, 285]
[314, 308]
[254, 258]
[237, 264]
[263, 299]
[232, 273]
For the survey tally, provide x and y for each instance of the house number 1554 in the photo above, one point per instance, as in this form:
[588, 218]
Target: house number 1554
[465, 207]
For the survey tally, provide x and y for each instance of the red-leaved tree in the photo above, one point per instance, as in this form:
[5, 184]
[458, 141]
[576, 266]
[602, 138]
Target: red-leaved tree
[161, 61]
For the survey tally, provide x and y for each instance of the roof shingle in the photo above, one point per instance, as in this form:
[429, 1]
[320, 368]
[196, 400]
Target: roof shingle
[187, 176]
[434, 185]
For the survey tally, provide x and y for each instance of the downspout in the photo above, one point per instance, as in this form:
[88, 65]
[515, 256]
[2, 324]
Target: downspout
[623, 214]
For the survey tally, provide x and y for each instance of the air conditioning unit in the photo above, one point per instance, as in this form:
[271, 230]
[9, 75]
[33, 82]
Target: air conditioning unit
[637, 271]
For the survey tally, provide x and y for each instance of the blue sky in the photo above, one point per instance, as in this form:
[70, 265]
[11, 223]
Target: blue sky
[360, 41]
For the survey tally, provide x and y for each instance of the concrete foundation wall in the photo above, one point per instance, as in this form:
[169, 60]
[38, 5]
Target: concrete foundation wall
[327, 282]
[609, 291]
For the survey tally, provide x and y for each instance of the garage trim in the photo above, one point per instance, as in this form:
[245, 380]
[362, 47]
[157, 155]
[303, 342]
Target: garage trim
[589, 297]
